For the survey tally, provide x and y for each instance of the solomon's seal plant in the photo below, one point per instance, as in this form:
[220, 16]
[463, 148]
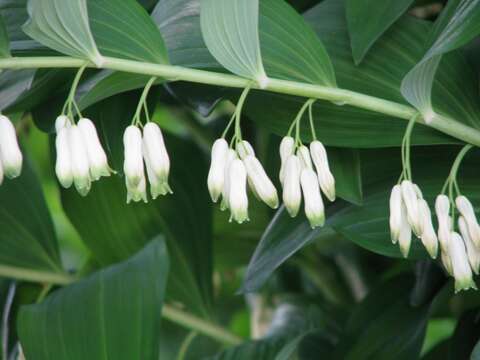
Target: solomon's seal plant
[239, 179]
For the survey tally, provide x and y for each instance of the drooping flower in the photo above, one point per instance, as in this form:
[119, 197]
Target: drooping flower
[410, 199]
[442, 209]
[287, 148]
[405, 236]
[325, 177]
[292, 194]
[473, 252]
[237, 192]
[10, 155]
[133, 164]
[244, 149]
[314, 209]
[231, 155]
[216, 175]
[465, 208]
[260, 182]
[304, 155]
[395, 213]
[429, 237]
[460, 264]
[96, 155]
[79, 160]
[63, 165]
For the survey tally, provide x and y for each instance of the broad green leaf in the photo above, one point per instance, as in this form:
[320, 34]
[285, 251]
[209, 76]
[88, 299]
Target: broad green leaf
[290, 48]
[465, 337]
[4, 41]
[230, 31]
[123, 29]
[113, 314]
[463, 25]
[184, 218]
[14, 83]
[27, 238]
[369, 19]
[384, 325]
[63, 26]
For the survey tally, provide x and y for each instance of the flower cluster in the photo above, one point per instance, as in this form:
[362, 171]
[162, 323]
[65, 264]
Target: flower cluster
[11, 158]
[148, 148]
[297, 176]
[80, 155]
[230, 171]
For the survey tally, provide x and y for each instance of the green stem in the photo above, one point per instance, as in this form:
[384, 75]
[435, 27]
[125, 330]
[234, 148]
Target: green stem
[176, 73]
[199, 325]
[310, 115]
[44, 277]
[182, 353]
[142, 102]
[238, 112]
[73, 90]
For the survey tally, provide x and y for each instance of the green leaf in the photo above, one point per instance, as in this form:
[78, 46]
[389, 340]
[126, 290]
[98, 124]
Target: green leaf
[63, 26]
[14, 83]
[184, 218]
[114, 314]
[369, 19]
[291, 50]
[370, 333]
[27, 238]
[465, 337]
[123, 29]
[463, 26]
[4, 41]
[230, 31]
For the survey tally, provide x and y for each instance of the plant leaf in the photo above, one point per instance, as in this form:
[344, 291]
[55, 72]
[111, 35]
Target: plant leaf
[184, 218]
[463, 26]
[123, 29]
[14, 83]
[90, 319]
[368, 20]
[63, 26]
[230, 31]
[4, 41]
[27, 238]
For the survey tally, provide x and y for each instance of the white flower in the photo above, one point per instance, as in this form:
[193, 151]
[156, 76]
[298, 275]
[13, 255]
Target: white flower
[447, 263]
[260, 181]
[216, 175]
[61, 122]
[63, 165]
[244, 149]
[231, 155]
[410, 199]
[405, 236]
[460, 265]
[473, 252]
[312, 198]
[10, 154]
[292, 194]
[429, 237]
[395, 213]
[287, 148]
[237, 192]
[133, 164]
[79, 160]
[465, 208]
[96, 155]
[304, 155]
[156, 159]
[442, 209]
[325, 177]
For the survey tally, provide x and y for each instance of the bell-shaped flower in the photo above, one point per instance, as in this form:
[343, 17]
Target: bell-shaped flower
[442, 209]
[447, 263]
[156, 157]
[63, 165]
[237, 191]
[325, 177]
[304, 155]
[137, 192]
[216, 174]
[133, 156]
[61, 122]
[395, 213]
[465, 208]
[287, 148]
[96, 155]
[410, 199]
[429, 237]
[10, 153]
[314, 209]
[460, 264]
[157, 187]
[473, 252]
[260, 182]
[405, 236]
[231, 155]
[244, 148]
[292, 193]
[79, 160]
